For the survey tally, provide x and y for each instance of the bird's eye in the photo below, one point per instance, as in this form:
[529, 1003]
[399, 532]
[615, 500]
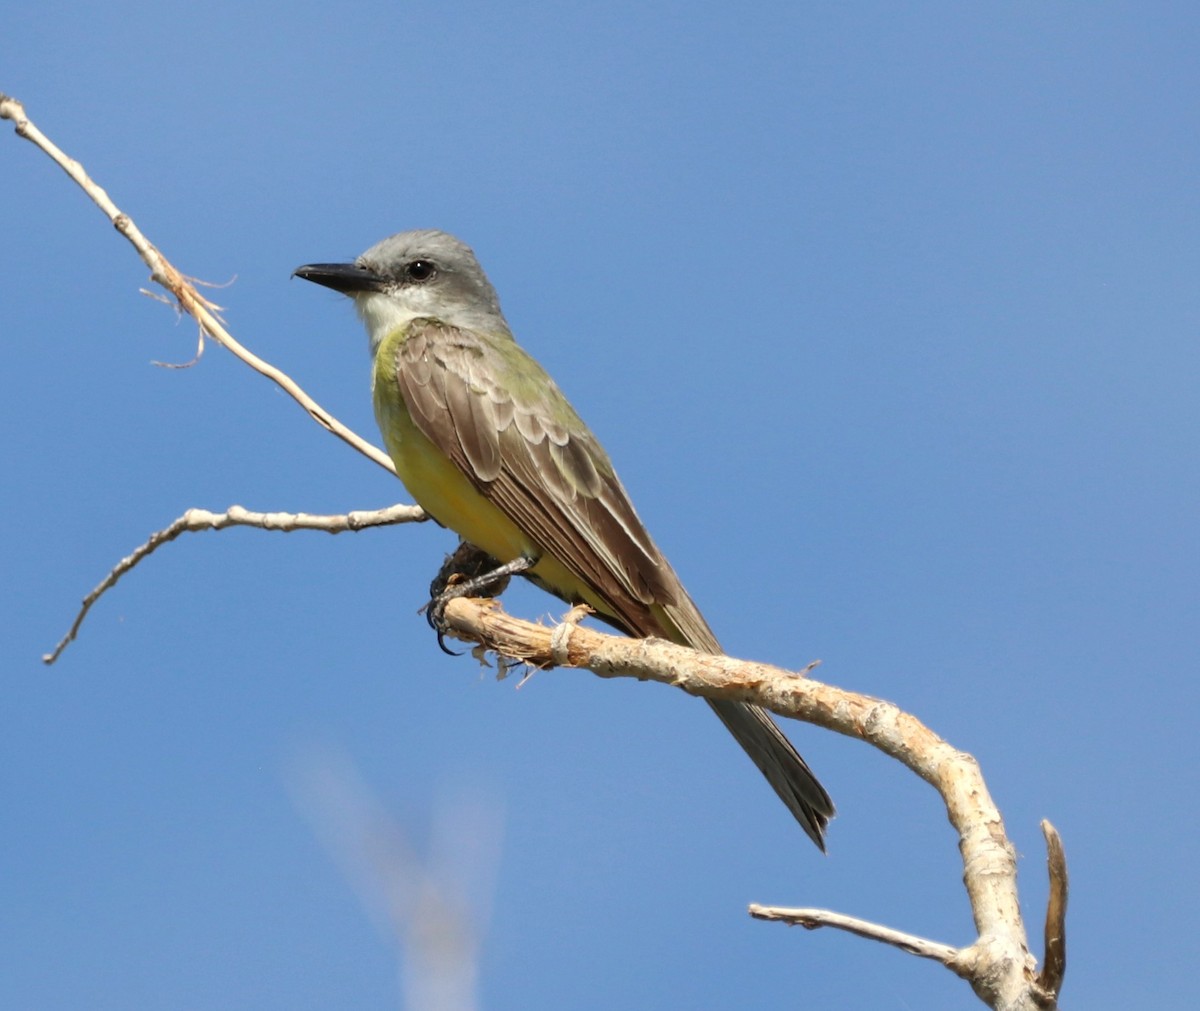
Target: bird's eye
[421, 270]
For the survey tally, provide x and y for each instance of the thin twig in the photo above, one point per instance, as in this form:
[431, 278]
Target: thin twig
[190, 300]
[195, 520]
[811, 919]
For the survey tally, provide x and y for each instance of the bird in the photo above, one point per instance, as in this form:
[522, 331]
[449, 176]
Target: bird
[490, 447]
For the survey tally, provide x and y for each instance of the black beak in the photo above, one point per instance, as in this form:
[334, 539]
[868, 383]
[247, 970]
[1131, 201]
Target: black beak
[347, 278]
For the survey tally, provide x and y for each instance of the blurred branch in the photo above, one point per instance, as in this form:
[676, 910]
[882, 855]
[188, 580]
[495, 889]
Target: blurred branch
[433, 904]
[189, 300]
[195, 520]
[998, 965]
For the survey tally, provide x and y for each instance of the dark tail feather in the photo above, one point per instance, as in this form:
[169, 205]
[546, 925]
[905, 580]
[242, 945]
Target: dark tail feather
[781, 763]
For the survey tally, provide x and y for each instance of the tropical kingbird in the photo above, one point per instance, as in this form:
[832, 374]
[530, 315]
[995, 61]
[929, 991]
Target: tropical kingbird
[487, 444]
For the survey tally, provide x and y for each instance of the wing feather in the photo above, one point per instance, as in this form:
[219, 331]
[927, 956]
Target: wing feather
[508, 428]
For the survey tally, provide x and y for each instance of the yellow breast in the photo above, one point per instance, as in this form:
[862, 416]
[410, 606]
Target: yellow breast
[431, 477]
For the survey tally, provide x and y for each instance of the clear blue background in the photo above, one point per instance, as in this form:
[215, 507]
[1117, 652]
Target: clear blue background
[888, 315]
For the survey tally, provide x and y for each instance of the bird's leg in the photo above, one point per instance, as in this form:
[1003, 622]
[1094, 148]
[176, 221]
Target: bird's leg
[469, 572]
[467, 562]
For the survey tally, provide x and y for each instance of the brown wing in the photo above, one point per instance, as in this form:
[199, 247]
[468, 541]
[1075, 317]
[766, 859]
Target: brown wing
[505, 424]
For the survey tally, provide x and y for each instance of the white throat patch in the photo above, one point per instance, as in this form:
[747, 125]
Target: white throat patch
[383, 314]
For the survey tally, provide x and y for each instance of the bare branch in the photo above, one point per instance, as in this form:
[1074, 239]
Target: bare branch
[195, 520]
[189, 299]
[811, 919]
[998, 965]
[1054, 963]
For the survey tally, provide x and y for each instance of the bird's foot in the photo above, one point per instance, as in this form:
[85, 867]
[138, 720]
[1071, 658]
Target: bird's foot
[469, 572]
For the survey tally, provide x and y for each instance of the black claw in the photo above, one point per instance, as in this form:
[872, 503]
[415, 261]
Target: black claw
[435, 612]
[441, 641]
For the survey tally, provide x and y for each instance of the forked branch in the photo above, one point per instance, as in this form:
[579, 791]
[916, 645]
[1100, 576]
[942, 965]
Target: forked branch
[998, 965]
[189, 300]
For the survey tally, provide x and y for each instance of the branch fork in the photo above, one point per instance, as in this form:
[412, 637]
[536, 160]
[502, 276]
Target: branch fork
[998, 965]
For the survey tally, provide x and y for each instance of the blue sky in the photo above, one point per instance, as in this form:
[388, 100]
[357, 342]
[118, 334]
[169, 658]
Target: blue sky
[888, 318]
